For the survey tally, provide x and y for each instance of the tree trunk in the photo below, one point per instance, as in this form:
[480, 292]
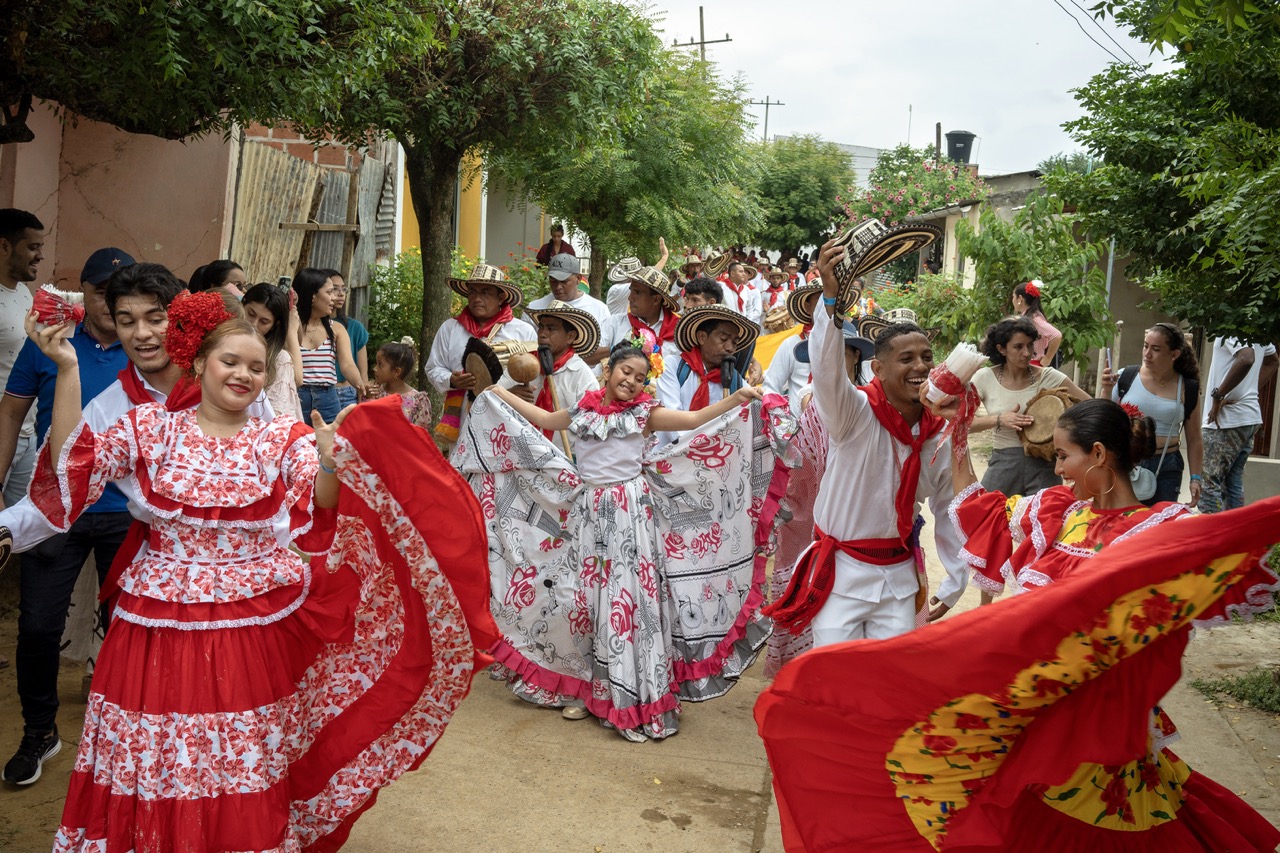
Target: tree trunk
[433, 178]
[595, 276]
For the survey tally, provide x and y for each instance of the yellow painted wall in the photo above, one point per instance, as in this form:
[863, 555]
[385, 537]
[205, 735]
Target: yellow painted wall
[469, 208]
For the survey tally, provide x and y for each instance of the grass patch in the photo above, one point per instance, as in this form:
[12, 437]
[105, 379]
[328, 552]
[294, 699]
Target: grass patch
[1259, 687]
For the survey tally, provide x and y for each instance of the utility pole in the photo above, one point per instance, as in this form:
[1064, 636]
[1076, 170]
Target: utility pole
[766, 103]
[702, 38]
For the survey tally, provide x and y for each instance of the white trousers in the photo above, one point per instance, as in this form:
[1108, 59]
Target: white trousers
[843, 618]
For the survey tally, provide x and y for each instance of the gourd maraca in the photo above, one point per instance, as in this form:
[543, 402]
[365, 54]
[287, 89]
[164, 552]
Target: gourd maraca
[523, 368]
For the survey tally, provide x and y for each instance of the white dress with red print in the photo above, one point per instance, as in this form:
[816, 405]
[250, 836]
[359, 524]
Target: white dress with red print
[631, 580]
[208, 725]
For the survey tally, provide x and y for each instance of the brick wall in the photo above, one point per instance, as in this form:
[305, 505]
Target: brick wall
[285, 138]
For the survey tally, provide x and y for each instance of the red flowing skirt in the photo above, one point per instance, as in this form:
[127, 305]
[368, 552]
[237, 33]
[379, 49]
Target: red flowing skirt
[974, 734]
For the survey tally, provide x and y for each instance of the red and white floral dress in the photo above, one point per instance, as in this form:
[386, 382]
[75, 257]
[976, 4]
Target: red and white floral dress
[246, 699]
[629, 580]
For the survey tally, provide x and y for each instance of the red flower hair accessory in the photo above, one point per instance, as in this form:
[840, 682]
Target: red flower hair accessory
[192, 316]
[1033, 288]
[1132, 411]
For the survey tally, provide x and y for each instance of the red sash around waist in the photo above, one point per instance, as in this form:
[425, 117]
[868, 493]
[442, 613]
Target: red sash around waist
[815, 572]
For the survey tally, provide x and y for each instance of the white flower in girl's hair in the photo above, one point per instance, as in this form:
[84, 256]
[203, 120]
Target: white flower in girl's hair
[53, 306]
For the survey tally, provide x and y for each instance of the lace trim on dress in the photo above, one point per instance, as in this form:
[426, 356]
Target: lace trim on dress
[216, 624]
[586, 422]
[965, 554]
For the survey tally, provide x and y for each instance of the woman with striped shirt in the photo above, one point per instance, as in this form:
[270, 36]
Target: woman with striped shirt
[325, 346]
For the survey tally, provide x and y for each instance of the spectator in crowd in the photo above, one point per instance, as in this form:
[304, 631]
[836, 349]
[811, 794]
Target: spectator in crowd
[358, 334]
[1237, 372]
[267, 307]
[557, 245]
[564, 274]
[21, 251]
[393, 365]
[224, 274]
[1165, 388]
[1026, 303]
[324, 344]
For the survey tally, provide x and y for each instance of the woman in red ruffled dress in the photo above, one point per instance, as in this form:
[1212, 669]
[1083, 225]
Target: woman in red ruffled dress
[1029, 725]
[246, 699]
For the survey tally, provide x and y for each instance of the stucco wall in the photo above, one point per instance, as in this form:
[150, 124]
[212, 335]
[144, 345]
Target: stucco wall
[29, 178]
[159, 200]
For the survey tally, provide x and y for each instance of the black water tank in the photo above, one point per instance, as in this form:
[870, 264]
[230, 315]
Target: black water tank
[960, 145]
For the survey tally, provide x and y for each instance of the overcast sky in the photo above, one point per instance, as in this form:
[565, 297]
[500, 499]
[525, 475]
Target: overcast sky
[847, 70]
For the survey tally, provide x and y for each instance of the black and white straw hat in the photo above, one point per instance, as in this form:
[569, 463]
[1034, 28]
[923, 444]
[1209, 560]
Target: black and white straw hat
[871, 244]
[582, 326]
[695, 318]
[483, 273]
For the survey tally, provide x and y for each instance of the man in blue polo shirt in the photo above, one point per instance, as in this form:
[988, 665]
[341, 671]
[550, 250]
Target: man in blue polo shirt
[49, 571]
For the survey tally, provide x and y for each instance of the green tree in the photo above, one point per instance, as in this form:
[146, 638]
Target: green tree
[678, 167]
[801, 180]
[1077, 161]
[510, 74]
[1192, 163]
[184, 68]
[1040, 242]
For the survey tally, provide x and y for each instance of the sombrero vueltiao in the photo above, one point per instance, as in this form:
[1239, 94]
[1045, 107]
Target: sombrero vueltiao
[870, 326]
[871, 244]
[490, 275]
[583, 328]
[623, 270]
[654, 279]
[716, 264]
[796, 302]
[689, 260]
[777, 271]
[696, 318]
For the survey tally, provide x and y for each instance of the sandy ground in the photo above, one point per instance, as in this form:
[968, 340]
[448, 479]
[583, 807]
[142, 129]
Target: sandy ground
[511, 777]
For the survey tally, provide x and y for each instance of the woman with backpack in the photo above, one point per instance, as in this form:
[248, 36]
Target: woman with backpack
[1165, 388]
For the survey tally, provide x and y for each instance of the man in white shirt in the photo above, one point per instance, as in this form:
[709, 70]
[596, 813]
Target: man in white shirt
[488, 315]
[880, 467]
[21, 251]
[740, 294]
[1236, 373]
[699, 367]
[651, 310]
[563, 277]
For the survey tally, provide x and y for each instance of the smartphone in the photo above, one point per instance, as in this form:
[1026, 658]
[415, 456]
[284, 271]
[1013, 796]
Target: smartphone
[284, 282]
[1107, 362]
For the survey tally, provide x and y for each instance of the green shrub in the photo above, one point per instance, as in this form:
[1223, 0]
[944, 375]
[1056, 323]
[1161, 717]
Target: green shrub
[1259, 687]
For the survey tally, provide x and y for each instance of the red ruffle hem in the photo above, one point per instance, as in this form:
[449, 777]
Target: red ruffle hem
[1025, 725]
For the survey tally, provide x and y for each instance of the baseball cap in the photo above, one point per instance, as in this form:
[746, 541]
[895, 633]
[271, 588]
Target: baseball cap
[103, 263]
[564, 265]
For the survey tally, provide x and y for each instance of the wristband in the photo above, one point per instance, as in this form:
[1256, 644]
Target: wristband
[325, 468]
[1195, 478]
[828, 300]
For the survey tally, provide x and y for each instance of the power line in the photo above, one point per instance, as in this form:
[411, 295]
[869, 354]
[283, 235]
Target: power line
[1087, 35]
[1103, 30]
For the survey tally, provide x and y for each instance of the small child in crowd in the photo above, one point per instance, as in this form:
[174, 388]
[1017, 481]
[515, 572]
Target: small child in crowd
[392, 364]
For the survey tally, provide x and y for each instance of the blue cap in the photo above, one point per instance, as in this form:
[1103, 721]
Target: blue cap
[103, 263]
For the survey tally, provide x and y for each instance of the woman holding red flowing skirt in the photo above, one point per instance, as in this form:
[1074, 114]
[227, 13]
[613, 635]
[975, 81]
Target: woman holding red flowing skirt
[1029, 725]
[247, 699]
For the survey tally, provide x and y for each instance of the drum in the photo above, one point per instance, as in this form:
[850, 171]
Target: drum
[1044, 408]
[778, 319]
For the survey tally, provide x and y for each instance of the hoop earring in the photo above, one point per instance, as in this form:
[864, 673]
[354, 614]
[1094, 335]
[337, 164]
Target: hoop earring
[1104, 468]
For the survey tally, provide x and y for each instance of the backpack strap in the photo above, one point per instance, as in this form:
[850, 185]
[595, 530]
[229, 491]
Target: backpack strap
[1125, 382]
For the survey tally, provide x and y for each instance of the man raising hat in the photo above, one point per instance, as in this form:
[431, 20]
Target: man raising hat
[700, 368]
[563, 328]
[859, 579]
[488, 315]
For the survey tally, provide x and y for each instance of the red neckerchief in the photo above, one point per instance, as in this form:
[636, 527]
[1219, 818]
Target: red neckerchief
[593, 401]
[774, 292]
[184, 395]
[701, 394]
[544, 400]
[896, 425]
[805, 331]
[480, 329]
[663, 335]
[794, 280]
